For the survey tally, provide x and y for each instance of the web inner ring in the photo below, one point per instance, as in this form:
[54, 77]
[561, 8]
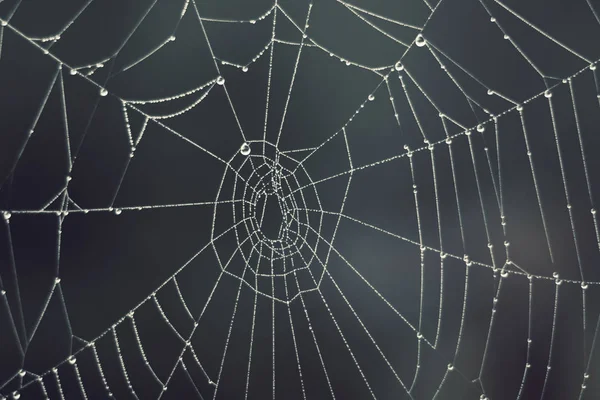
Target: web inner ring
[252, 177]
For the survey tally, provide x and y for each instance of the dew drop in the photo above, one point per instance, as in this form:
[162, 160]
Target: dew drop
[450, 367]
[22, 373]
[584, 285]
[245, 68]
[172, 38]
[220, 80]
[103, 92]
[420, 40]
[73, 72]
[480, 128]
[593, 67]
[555, 275]
[371, 97]
[398, 66]
[547, 94]
[245, 149]
[16, 395]
[4, 23]
[490, 92]
[72, 360]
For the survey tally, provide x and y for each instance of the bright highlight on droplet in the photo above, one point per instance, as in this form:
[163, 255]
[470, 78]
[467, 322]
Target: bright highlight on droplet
[480, 128]
[245, 68]
[220, 80]
[103, 92]
[398, 66]
[548, 94]
[371, 97]
[420, 40]
[245, 149]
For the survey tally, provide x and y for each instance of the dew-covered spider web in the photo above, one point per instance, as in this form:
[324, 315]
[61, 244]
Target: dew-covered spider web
[299, 200]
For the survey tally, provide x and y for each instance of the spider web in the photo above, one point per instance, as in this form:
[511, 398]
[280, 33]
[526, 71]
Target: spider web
[299, 200]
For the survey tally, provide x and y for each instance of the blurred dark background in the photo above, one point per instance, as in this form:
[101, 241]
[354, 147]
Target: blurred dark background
[109, 262]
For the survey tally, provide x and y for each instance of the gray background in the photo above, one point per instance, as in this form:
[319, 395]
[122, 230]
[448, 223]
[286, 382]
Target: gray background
[109, 263]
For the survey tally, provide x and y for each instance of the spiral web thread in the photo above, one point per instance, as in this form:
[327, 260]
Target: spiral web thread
[294, 253]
